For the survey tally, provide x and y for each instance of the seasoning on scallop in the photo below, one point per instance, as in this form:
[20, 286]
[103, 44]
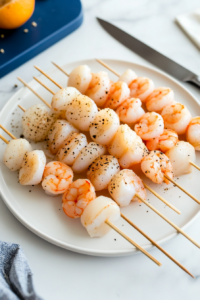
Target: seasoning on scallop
[81, 111]
[101, 171]
[104, 126]
[87, 156]
[71, 148]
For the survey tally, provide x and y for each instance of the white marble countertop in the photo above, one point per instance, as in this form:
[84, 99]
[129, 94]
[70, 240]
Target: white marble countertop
[61, 274]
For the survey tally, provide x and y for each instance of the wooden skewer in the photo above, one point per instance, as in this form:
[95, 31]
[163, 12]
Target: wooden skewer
[8, 132]
[132, 242]
[162, 199]
[46, 75]
[155, 244]
[44, 85]
[3, 139]
[194, 165]
[107, 67]
[168, 221]
[32, 90]
[182, 189]
[61, 69]
[22, 108]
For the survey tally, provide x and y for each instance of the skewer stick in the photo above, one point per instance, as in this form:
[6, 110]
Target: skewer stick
[61, 69]
[194, 165]
[21, 108]
[168, 221]
[32, 90]
[46, 75]
[8, 132]
[44, 85]
[132, 242]
[3, 139]
[182, 189]
[155, 244]
[162, 199]
[107, 67]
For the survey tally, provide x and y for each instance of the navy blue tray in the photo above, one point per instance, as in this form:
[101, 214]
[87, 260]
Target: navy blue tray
[55, 19]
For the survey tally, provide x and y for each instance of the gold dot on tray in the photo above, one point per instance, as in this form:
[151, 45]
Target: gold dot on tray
[26, 30]
[34, 24]
[2, 36]
[2, 50]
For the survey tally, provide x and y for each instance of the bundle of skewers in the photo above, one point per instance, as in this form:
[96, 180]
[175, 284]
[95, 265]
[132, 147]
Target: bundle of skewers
[121, 136]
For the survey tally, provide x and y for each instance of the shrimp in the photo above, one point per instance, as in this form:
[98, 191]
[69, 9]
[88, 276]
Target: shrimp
[36, 123]
[104, 126]
[180, 156]
[176, 117]
[164, 142]
[56, 178]
[193, 133]
[101, 171]
[128, 76]
[141, 88]
[80, 78]
[63, 97]
[81, 111]
[130, 111]
[32, 168]
[96, 213]
[160, 98]
[58, 133]
[134, 154]
[78, 195]
[71, 148]
[99, 88]
[14, 153]
[155, 165]
[122, 141]
[123, 187]
[150, 125]
[119, 92]
[87, 156]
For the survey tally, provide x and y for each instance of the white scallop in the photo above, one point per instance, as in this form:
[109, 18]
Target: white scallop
[14, 153]
[96, 213]
[80, 78]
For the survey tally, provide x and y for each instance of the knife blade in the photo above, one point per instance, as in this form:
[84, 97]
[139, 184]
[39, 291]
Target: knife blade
[153, 56]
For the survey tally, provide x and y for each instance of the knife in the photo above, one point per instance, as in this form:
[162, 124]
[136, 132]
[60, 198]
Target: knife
[153, 56]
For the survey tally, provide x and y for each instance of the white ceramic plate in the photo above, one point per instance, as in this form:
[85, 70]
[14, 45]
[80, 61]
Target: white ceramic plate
[43, 214]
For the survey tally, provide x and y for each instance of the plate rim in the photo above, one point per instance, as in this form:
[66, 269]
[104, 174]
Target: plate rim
[78, 249]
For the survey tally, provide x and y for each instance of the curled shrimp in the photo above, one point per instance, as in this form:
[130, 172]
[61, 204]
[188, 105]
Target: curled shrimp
[119, 92]
[176, 117]
[141, 88]
[159, 99]
[150, 125]
[99, 88]
[193, 133]
[130, 111]
[77, 196]
[155, 165]
[164, 142]
[56, 178]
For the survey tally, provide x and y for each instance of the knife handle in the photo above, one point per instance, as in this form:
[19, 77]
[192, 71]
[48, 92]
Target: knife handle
[195, 79]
